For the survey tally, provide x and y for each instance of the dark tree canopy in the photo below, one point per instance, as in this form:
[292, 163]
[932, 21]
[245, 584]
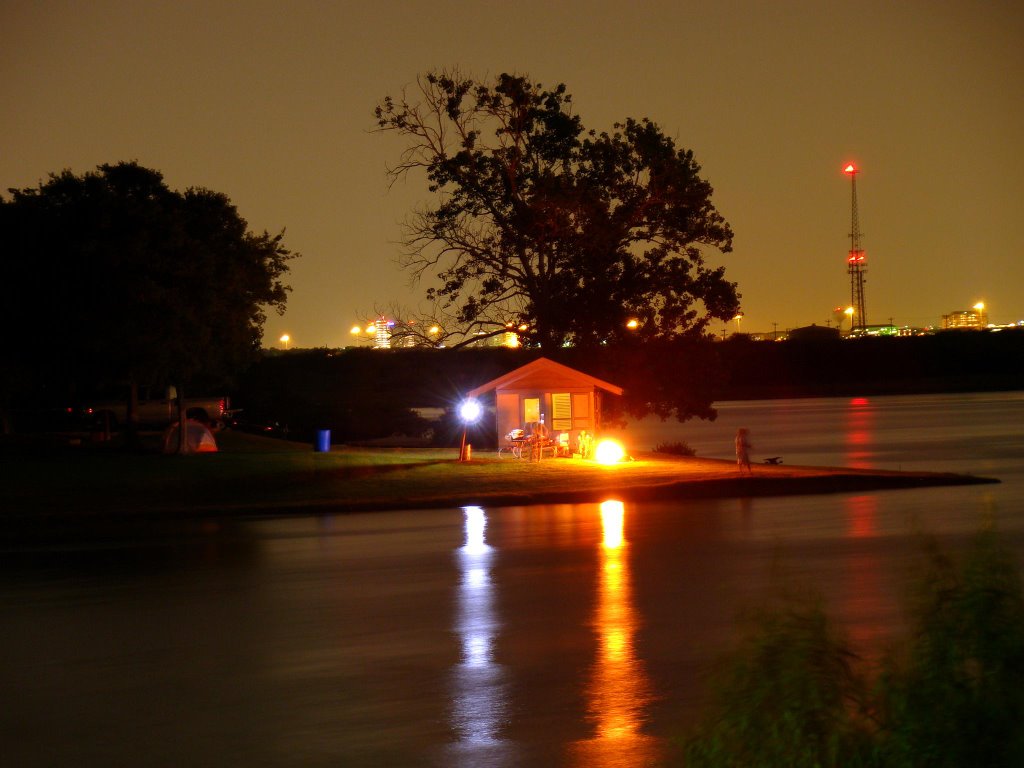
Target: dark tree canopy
[117, 278]
[540, 222]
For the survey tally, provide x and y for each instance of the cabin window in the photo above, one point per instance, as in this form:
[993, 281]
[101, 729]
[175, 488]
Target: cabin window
[581, 415]
[561, 411]
[531, 410]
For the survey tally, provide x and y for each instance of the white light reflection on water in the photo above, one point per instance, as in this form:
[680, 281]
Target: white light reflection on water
[619, 692]
[479, 691]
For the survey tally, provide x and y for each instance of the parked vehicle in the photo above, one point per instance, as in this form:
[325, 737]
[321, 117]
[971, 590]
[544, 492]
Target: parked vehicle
[158, 411]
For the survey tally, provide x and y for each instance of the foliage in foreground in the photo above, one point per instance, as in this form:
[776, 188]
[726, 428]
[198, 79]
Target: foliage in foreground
[794, 694]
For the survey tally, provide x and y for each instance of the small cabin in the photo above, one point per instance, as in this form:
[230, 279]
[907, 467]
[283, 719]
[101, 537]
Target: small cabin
[564, 400]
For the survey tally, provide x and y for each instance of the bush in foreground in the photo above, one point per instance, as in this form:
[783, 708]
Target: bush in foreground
[794, 694]
[675, 449]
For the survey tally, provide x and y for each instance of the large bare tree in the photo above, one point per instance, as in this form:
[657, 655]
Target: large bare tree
[540, 223]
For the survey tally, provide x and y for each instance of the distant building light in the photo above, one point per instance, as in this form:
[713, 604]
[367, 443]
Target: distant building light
[382, 333]
[966, 318]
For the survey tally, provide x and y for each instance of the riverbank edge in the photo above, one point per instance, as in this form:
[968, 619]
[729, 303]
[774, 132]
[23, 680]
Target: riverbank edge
[377, 484]
[23, 535]
[838, 481]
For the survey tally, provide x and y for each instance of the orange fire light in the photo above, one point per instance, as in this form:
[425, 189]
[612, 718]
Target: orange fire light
[609, 452]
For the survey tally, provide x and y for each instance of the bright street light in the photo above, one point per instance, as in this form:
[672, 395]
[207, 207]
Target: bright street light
[286, 339]
[469, 412]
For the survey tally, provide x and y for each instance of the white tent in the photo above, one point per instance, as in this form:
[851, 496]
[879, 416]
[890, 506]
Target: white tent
[198, 438]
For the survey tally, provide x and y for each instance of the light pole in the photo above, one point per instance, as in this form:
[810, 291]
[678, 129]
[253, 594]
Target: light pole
[286, 339]
[469, 412]
[364, 334]
[979, 310]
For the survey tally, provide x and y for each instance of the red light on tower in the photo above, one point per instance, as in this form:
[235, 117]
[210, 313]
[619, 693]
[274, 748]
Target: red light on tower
[855, 260]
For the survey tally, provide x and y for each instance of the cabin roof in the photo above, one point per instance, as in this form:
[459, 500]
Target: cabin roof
[545, 374]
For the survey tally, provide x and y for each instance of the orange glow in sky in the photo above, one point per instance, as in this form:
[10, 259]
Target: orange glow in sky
[275, 110]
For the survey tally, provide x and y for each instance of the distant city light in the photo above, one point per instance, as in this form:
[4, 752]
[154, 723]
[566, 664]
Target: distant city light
[285, 339]
[356, 330]
[633, 324]
[850, 168]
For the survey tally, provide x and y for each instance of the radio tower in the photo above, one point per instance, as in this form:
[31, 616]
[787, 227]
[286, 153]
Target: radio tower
[855, 261]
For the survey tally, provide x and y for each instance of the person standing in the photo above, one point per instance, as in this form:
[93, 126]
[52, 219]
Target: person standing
[743, 447]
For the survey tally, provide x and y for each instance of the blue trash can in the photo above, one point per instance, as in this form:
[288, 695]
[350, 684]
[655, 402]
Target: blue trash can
[323, 441]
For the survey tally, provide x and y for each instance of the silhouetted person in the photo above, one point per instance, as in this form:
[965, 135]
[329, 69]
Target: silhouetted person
[743, 447]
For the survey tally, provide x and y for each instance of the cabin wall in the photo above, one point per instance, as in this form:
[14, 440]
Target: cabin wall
[566, 409]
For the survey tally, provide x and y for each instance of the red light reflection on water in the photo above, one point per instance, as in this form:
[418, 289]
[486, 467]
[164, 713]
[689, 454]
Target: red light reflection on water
[861, 512]
[619, 692]
[860, 427]
[867, 602]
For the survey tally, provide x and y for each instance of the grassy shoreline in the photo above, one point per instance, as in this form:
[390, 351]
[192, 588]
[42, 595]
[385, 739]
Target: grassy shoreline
[257, 476]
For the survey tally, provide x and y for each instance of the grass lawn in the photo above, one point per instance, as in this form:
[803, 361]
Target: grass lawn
[254, 474]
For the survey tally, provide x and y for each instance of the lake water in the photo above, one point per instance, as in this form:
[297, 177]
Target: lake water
[574, 635]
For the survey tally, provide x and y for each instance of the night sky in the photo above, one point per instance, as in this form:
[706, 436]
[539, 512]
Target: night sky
[272, 104]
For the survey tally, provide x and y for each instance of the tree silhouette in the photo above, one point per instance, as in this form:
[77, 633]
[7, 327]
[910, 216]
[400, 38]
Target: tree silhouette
[122, 280]
[540, 223]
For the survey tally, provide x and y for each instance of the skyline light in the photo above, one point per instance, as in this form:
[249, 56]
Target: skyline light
[275, 110]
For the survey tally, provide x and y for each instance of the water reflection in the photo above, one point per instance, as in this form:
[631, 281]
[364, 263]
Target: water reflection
[861, 512]
[479, 706]
[860, 423]
[866, 603]
[618, 693]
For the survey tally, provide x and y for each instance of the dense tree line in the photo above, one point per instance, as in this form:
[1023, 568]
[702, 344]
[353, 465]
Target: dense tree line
[117, 279]
[950, 361]
[363, 393]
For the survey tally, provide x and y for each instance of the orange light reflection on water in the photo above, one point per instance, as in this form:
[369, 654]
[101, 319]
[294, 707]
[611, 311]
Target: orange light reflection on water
[619, 693]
